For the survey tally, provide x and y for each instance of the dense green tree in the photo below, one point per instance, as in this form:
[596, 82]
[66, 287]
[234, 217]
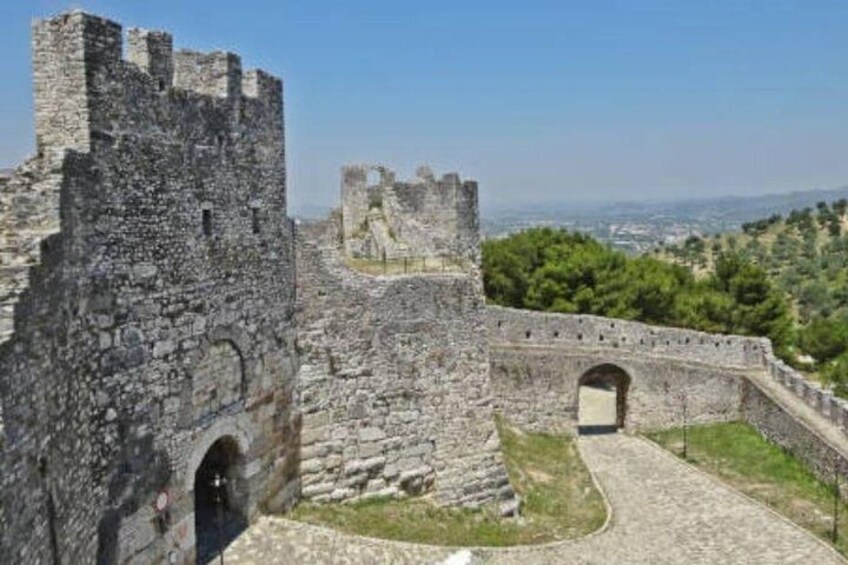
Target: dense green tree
[558, 271]
[825, 338]
[835, 373]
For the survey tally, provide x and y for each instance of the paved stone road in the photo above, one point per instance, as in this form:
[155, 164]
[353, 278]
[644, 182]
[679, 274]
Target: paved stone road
[663, 512]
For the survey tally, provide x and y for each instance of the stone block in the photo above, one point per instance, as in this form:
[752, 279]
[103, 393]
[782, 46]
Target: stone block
[364, 465]
[309, 436]
[367, 450]
[309, 466]
[311, 491]
[371, 434]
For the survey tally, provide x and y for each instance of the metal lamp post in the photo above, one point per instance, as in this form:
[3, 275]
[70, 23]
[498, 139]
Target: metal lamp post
[835, 533]
[685, 428]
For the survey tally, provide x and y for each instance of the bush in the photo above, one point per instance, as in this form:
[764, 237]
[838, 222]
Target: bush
[835, 373]
[825, 339]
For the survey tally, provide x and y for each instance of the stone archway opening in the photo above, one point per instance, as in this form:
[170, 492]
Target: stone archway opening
[602, 399]
[220, 498]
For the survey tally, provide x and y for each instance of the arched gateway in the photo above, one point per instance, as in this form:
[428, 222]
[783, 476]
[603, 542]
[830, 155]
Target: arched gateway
[602, 399]
[220, 498]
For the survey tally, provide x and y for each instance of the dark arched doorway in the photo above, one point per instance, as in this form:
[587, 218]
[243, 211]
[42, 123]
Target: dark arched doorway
[602, 399]
[220, 498]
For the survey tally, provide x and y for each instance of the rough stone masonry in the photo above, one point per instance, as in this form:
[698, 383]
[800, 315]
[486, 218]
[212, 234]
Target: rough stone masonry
[163, 323]
[149, 330]
[147, 292]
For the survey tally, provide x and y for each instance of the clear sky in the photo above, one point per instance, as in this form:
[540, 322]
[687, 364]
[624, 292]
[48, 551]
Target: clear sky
[538, 100]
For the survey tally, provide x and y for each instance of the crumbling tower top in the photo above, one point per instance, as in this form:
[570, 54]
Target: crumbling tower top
[420, 218]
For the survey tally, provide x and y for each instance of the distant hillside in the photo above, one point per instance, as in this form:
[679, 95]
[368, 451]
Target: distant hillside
[805, 254]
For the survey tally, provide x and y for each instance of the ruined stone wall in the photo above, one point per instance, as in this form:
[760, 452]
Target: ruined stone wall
[29, 212]
[394, 385]
[158, 316]
[425, 217]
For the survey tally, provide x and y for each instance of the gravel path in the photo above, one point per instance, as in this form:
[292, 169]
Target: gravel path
[663, 512]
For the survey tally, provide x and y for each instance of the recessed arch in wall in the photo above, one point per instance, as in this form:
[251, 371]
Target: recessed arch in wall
[221, 496]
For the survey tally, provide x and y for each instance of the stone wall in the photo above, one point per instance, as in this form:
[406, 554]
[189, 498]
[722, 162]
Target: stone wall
[425, 217]
[158, 316]
[394, 386]
[29, 213]
[780, 424]
[508, 325]
[537, 388]
[820, 399]
[538, 359]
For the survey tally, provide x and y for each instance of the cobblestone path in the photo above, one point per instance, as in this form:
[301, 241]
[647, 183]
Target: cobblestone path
[663, 512]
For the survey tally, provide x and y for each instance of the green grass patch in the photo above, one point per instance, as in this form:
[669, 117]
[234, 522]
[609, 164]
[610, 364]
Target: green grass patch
[560, 502]
[740, 456]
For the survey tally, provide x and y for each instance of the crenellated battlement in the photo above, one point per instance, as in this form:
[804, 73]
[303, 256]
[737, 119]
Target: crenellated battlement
[153, 52]
[85, 90]
[214, 74]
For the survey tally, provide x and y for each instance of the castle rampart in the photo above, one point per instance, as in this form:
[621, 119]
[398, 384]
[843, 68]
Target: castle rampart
[389, 369]
[538, 362]
[164, 325]
[148, 297]
[571, 331]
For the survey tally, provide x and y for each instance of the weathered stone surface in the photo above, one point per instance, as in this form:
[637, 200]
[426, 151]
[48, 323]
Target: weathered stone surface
[155, 299]
[397, 369]
[424, 217]
[141, 310]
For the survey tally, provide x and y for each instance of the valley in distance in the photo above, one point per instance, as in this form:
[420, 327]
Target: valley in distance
[638, 227]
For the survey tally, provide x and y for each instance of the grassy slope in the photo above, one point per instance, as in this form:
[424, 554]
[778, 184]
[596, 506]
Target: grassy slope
[560, 502]
[739, 456]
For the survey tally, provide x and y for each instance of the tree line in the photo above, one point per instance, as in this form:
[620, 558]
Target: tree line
[554, 270]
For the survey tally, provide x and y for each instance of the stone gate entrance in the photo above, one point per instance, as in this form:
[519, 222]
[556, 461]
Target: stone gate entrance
[602, 399]
[220, 498]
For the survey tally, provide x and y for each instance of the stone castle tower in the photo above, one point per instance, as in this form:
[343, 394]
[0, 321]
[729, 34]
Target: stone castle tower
[148, 294]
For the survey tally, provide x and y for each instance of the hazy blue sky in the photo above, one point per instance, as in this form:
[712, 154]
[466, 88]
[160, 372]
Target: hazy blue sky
[538, 100]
